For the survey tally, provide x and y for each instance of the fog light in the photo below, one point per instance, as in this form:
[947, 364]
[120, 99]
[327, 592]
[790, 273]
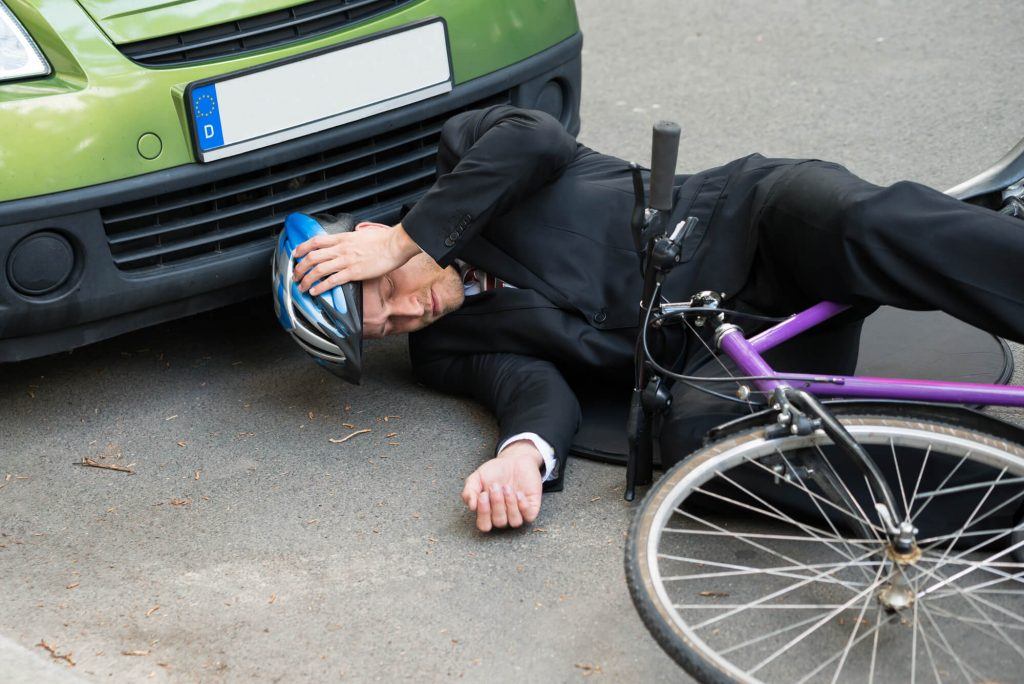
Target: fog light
[551, 99]
[40, 263]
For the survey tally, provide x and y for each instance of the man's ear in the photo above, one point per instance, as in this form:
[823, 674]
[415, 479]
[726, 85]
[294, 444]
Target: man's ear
[370, 225]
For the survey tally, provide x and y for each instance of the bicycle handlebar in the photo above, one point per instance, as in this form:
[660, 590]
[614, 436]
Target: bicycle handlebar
[664, 152]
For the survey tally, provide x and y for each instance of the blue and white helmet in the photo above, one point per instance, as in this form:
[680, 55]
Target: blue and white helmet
[328, 326]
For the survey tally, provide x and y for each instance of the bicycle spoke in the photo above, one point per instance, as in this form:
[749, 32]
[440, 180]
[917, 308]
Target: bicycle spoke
[974, 601]
[992, 511]
[739, 570]
[920, 476]
[813, 628]
[948, 648]
[899, 478]
[771, 606]
[753, 535]
[970, 521]
[924, 639]
[764, 548]
[971, 569]
[913, 649]
[769, 635]
[874, 645]
[842, 510]
[959, 489]
[781, 592]
[942, 484]
[782, 517]
[873, 632]
[974, 622]
[879, 532]
[980, 587]
[803, 485]
[932, 542]
[853, 635]
[804, 526]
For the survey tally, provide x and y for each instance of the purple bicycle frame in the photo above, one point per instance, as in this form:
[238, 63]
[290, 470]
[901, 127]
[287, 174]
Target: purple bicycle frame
[747, 356]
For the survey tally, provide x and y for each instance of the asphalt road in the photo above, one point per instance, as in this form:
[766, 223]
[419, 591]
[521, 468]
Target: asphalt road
[247, 546]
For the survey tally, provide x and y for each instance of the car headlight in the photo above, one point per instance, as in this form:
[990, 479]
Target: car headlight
[19, 56]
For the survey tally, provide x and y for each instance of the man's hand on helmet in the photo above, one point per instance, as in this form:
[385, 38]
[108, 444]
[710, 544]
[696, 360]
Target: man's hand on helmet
[368, 252]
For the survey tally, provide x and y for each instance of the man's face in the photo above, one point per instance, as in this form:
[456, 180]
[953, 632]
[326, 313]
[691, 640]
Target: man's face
[410, 297]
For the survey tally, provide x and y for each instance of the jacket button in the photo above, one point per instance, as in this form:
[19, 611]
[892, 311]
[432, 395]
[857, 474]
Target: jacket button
[601, 316]
[448, 242]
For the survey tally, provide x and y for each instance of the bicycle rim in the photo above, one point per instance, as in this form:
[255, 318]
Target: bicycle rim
[773, 595]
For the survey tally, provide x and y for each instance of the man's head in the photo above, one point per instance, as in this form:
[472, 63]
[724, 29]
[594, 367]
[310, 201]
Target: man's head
[410, 297]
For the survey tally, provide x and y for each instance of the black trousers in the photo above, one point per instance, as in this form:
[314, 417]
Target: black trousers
[825, 234]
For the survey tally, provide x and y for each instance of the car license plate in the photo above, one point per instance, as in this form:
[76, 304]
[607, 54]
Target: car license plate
[284, 100]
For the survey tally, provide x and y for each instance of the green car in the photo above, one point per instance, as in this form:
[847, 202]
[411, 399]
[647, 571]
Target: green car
[150, 149]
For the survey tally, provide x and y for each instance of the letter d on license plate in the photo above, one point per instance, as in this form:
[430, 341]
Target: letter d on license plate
[284, 100]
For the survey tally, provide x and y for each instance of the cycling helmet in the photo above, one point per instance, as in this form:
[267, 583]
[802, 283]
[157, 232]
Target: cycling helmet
[328, 326]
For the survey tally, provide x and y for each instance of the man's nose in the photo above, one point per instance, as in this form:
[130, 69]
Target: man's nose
[408, 306]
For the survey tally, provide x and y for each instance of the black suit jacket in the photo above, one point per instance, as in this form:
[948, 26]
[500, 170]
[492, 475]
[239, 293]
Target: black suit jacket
[517, 196]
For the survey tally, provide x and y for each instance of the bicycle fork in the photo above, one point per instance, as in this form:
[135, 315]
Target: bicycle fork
[800, 413]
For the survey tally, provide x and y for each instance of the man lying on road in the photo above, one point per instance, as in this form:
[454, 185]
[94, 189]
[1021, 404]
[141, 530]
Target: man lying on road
[517, 270]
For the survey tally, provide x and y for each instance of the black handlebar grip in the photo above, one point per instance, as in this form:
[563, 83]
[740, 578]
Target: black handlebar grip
[664, 152]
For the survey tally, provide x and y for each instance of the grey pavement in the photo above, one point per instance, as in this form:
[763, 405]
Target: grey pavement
[248, 546]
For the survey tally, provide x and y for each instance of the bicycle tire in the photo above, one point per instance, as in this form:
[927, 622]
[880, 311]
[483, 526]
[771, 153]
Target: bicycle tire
[691, 653]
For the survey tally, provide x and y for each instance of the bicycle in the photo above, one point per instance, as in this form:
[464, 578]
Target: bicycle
[850, 528]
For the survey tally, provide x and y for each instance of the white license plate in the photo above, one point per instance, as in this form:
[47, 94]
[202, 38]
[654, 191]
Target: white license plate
[285, 100]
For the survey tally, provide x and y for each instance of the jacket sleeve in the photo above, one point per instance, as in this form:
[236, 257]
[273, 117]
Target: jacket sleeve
[487, 161]
[526, 395]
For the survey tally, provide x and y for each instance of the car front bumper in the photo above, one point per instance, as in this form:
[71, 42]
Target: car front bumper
[87, 264]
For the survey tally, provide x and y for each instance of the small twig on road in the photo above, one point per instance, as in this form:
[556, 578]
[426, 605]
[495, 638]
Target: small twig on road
[86, 461]
[588, 669]
[332, 440]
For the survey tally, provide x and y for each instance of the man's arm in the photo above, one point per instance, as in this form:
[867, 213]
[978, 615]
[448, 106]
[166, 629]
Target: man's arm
[528, 396]
[488, 161]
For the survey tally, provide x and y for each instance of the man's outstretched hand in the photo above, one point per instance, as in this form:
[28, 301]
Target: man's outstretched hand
[506, 491]
[370, 251]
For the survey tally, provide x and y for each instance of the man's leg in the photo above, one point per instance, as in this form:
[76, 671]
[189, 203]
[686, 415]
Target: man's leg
[827, 234]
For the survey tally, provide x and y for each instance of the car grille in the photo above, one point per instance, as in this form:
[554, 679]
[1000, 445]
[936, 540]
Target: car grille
[254, 33]
[371, 179]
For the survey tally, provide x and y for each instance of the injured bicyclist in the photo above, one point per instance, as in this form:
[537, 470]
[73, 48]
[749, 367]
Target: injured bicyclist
[517, 273]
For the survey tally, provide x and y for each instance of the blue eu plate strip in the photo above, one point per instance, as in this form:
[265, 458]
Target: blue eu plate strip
[206, 115]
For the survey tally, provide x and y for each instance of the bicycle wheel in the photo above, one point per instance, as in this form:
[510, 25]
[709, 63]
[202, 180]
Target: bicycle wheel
[745, 569]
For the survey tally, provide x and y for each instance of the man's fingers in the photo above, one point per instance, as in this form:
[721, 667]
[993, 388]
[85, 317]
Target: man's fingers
[498, 514]
[308, 246]
[529, 506]
[321, 271]
[483, 513]
[345, 275]
[515, 518]
[471, 491]
[310, 260]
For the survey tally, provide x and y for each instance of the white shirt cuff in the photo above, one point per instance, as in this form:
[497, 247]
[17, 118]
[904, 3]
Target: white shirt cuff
[547, 452]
